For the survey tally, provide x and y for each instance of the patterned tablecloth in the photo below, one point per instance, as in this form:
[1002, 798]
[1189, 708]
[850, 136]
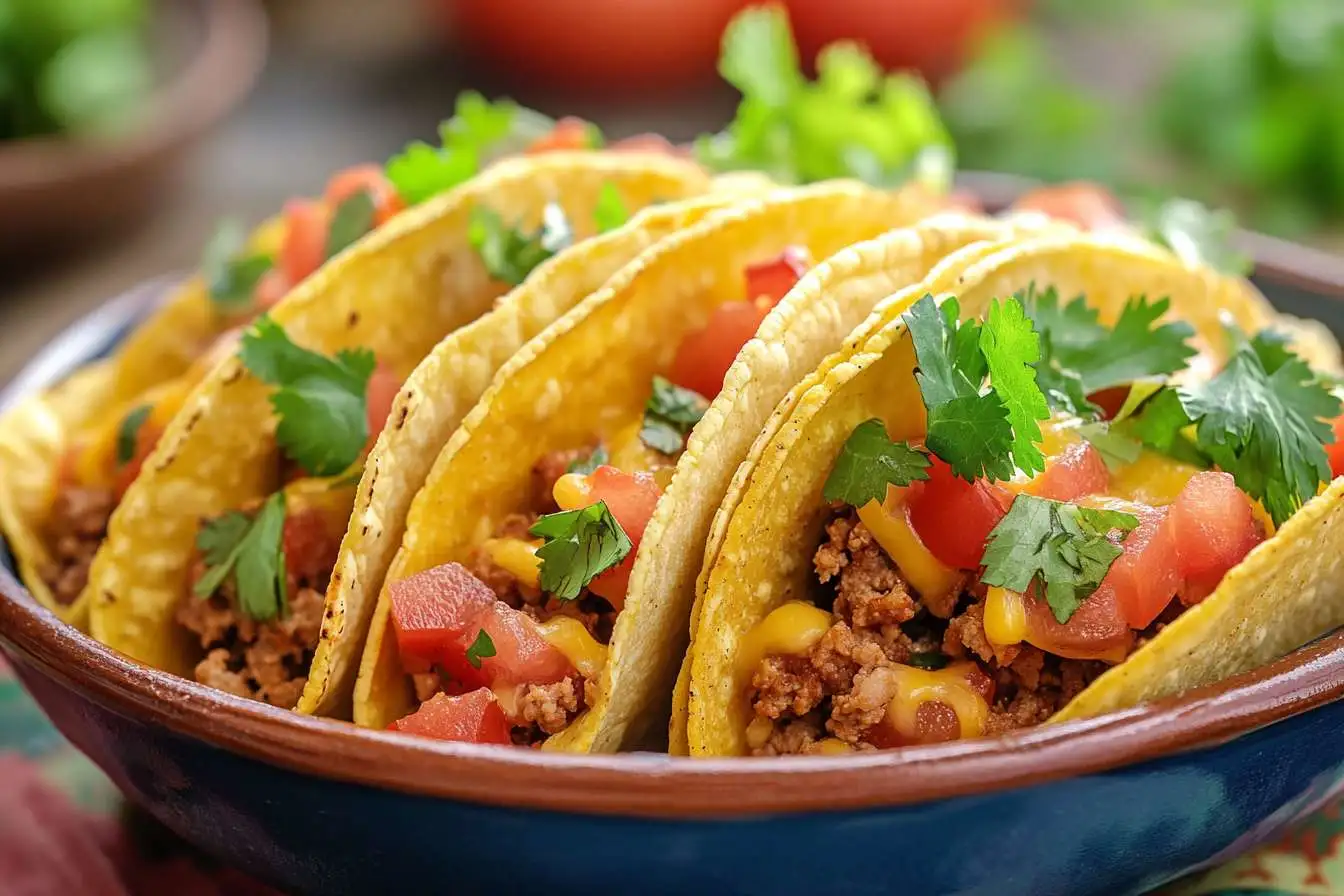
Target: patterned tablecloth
[65, 829]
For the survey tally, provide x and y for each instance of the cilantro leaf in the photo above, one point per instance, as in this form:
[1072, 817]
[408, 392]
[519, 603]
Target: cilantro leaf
[1010, 347]
[128, 433]
[510, 254]
[585, 465]
[851, 122]
[251, 551]
[973, 435]
[610, 211]
[1200, 235]
[481, 648]
[351, 220]
[1266, 429]
[231, 274]
[321, 401]
[478, 132]
[1116, 449]
[1136, 348]
[1063, 548]
[869, 462]
[1158, 423]
[579, 545]
[669, 416]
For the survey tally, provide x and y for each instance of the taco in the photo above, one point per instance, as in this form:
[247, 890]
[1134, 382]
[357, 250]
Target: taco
[542, 588]
[218, 557]
[1043, 497]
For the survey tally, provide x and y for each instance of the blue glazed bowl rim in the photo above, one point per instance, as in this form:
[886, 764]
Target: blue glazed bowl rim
[648, 785]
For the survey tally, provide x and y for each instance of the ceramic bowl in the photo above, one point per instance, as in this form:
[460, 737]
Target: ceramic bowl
[1111, 805]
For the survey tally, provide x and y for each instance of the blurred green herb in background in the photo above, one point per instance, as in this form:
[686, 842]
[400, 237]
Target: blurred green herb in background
[79, 66]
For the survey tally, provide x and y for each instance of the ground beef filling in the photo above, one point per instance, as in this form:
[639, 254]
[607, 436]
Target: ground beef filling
[842, 687]
[77, 527]
[546, 709]
[267, 661]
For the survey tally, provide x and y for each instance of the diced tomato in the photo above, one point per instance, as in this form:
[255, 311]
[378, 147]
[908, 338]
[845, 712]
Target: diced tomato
[1335, 450]
[309, 544]
[370, 179]
[473, 718]
[1078, 471]
[1097, 630]
[305, 244]
[1214, 528]
[382, 390]
[439, 613]
[954, 517]
[774, 278]
[649, 143]
[703, 358]
[1110, 400]
[146, 437]
[1088, 205]
[271, 288]
[1143, 580]
[568, 133]
[631, 500]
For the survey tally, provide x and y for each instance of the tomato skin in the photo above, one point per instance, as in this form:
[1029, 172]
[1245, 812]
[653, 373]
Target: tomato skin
[438, 614]
[1078, 471]
[1090, 206]
[381, 392]
[474, 718]
[1110, 400]
[1214, 529]
[309, 544]
[305, 244]
[569, 133]
[1097, 630]
[1146, 576]
[1335, 450]
[631, 500]
[954, 517]
[654, 143]
[368, 178]
[271, 289]
[774, 278]
[703, 358]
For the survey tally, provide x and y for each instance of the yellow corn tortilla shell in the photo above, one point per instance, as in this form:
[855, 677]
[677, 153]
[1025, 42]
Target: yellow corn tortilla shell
[593, 370]
[397, 292]
[766, 558]
[34, 434]
[867, 277]
[431, 404]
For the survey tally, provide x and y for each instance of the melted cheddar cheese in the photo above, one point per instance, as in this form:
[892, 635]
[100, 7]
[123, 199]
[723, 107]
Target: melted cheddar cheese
[517, 557]
[568, 635]
[791, 630]
[890, 524]
[948, 686]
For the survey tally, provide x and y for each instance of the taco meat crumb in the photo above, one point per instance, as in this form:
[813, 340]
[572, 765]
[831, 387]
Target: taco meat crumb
[551, 707]
[262, 661]
[843, 685]
[77, 527]
[547, 470]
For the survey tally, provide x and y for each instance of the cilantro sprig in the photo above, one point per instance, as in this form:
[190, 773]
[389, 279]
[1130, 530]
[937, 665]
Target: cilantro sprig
[579, 545]
[351, 219]
[128, 432]
[851, 122]
[585, 465]
[321, 401]
[510, 253]
[610, 211]
[249, 550]
[1064, 548]
[869, 462]
[483, 647]
[478, 132]
[669, 416]
[232, 273]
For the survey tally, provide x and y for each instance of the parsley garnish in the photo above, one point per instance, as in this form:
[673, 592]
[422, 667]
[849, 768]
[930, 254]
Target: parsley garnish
[320, 400]
[980, 433]
[669, 416]
[585, 465]
[1265, 427]
[128, 433]
[250, 550]
[1136, 348]
[478, 132]
[1061, 546]
[869, 462]
[351, 220]
[610, 211]
[510, 254]
[580, 544]
[851, 122]
[231, 273]
[482, 648]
